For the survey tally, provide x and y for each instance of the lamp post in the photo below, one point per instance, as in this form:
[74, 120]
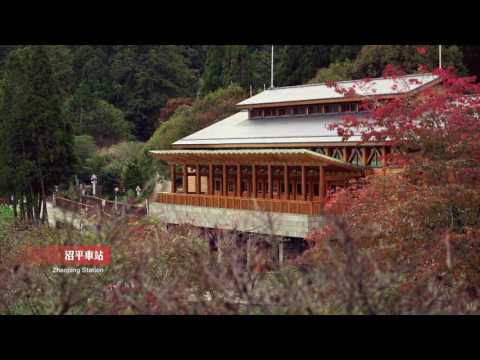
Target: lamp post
[55, 195]
[93, 179]
[116, 200]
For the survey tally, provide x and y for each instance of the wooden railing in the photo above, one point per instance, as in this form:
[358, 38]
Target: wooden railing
[92, 204]
[74, 206]
[312, 208]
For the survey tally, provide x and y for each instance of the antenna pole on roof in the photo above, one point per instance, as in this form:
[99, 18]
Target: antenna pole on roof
[271, 85]
[440, 56]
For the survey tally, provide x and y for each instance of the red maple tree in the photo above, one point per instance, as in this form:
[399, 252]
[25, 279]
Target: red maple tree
[424, 221]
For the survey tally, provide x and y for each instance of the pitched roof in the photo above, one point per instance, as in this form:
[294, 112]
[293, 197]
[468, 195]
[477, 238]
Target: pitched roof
[379, 86]
[238, 129]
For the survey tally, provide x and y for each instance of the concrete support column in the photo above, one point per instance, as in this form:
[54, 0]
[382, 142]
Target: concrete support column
[280, 253]
[249, 251]
[219, 247]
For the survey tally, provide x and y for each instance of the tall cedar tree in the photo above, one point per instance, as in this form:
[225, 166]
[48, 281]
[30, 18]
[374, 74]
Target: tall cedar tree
[144, 77]
[37, 148]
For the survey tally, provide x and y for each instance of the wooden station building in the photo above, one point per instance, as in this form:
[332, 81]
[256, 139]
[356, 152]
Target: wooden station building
[277, 155]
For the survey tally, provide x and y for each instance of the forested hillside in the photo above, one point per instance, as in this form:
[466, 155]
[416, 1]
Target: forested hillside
[113, 94]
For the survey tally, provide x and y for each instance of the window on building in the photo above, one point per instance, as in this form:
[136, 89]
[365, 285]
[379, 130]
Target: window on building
[275, 186]
[349, 107]
[260, 187]
[284, 112]
[255, 113]
[244, 186]
[267, 112]
[299, 189]
[218, 185]
[299, 110]
[314, 109]
[179, 183]
[332, 108]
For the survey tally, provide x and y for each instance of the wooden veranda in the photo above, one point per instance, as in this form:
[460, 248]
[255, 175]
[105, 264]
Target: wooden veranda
[275, 180]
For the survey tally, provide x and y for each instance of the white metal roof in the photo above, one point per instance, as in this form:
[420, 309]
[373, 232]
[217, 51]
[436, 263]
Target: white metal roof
[239, 129]
[379, 86]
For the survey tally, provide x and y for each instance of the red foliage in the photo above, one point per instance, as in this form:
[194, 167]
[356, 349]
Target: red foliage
[425, 220]
[421, 50]
[172, 105]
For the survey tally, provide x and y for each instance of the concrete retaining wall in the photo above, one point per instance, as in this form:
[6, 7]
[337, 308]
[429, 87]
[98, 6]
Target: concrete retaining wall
[281, 224]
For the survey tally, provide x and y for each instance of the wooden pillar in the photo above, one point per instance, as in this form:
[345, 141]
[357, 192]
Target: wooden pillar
[197, 180]
[224, 179]
[344, 154]
[173, 171]
[285, 180]
[322, 191]
[185, 179]
[270, 187]
[210, 179]
[303, 183]
[238, 187]
[254, 181]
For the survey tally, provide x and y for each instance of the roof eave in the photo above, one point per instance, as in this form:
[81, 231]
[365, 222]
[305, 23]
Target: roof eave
[339, 99]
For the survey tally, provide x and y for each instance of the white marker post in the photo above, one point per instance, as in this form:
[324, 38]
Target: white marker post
[94, 184]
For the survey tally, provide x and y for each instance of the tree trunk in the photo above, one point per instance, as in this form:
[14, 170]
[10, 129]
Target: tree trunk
[22, 207]
[44, 203]
[13, 202]
[32, 206]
